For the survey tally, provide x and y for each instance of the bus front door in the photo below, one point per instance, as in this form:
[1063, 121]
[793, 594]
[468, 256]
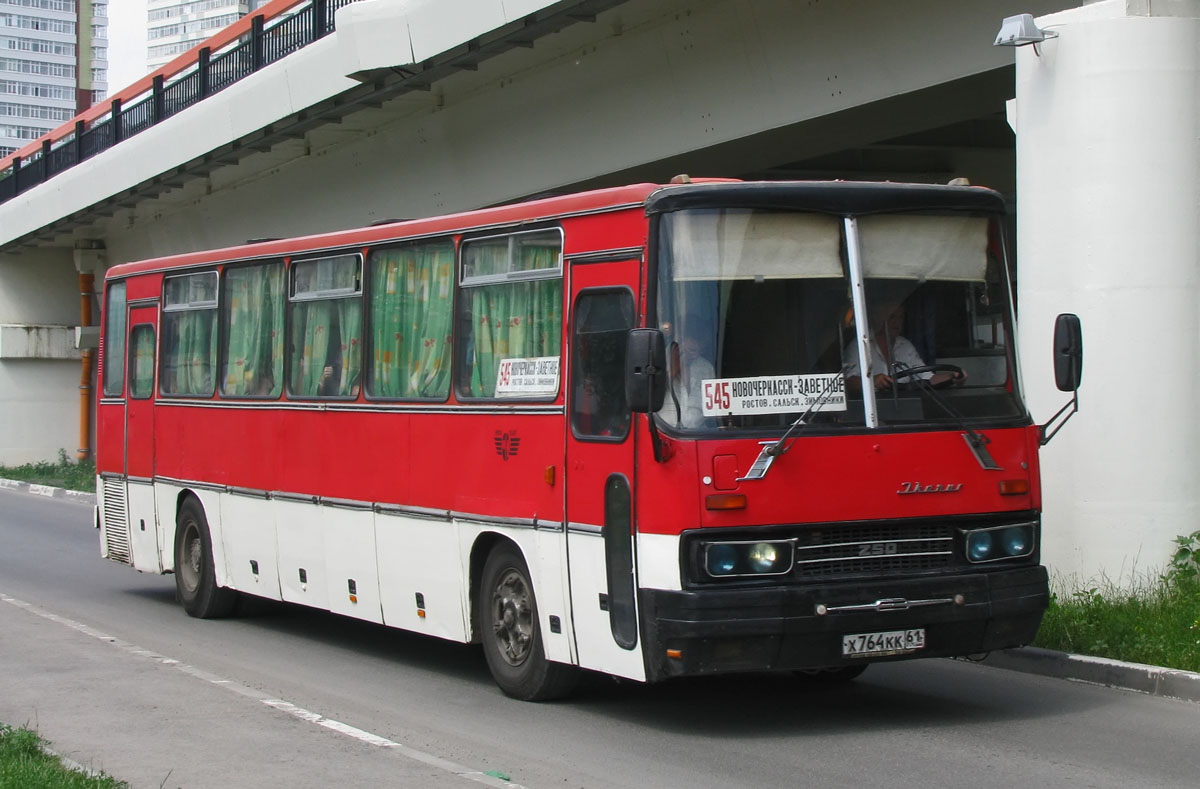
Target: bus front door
[139, 439]
[601, 545]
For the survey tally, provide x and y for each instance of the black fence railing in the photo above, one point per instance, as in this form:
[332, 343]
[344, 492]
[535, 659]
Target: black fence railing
[265, 43]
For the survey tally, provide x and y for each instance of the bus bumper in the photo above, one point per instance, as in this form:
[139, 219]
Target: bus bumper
[713, 631]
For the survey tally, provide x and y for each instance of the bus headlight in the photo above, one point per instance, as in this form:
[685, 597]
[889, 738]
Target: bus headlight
[747, 558]
[764, 557]
[721, 560]
[1016, 541]
[979, 546]
[1000, 542]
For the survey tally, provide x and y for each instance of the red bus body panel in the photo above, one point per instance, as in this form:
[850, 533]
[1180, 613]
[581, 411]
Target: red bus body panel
[824, 479]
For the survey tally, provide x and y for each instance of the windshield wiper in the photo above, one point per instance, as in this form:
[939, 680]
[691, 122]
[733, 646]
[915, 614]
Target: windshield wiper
[976, 441]
[773, 449]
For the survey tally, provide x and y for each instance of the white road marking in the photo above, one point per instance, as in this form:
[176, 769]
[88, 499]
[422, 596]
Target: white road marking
[286, 707]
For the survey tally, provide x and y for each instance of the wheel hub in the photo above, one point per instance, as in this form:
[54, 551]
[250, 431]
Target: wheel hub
[513, 618]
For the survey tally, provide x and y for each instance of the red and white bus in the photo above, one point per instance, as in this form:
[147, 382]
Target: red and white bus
[654, 431]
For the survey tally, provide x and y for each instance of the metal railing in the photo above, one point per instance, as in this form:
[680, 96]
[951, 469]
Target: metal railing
[232, 54]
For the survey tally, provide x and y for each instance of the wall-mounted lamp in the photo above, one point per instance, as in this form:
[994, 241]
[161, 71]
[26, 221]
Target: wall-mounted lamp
[1017, 31]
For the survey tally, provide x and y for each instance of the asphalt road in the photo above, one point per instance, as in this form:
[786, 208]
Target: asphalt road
[107, 666]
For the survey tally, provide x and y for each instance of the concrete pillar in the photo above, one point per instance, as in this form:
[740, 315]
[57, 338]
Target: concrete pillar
[39, 365]
[1108, 178]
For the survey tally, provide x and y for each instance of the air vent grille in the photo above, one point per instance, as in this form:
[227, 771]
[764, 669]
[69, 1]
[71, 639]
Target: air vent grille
[116, 524]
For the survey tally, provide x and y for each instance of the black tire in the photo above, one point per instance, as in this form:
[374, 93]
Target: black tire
[195, 581]
[511, 635]
[831, 675]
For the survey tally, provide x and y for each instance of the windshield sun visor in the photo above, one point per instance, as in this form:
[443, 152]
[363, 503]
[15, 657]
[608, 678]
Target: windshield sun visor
[924, 247]
[755, 245]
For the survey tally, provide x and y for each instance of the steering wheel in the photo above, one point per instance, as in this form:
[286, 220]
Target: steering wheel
[909, 372]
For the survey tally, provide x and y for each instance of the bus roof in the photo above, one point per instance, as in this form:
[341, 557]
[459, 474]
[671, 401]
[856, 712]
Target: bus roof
[830, 196]
[499, 216]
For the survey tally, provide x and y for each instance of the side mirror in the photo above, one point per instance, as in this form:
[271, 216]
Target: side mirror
[645, 370]
[1068, 352]
[1068, 370]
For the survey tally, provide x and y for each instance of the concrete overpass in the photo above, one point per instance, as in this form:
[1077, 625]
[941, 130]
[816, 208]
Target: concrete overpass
[410, 109]
[413, 109]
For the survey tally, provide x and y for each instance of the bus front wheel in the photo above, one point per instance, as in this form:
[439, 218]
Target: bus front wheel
[511, 634]
[195, 581]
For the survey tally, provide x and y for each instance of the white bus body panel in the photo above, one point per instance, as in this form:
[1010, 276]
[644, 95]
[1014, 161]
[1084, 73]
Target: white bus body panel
[349, 548]
[434, 570]
[143, 527]
[593, 631]
[247, 530]
[658, 562]
[301, 533]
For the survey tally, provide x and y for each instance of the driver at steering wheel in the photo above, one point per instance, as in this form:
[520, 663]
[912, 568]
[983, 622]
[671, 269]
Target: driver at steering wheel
[890, 351]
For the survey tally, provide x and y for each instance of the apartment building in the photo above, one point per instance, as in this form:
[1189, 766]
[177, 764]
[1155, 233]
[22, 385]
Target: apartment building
[53, 64]
[174, 27]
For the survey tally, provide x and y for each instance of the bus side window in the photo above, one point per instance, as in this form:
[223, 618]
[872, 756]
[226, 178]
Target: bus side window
[325, 331]
[602, 322]
[189, 334]
[114, 333]
[411, 299]
[510, 313]
[141, 361]
[252, 317]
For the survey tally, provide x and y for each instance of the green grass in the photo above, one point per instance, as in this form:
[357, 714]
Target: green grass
[24, 765]
[1155, 621]
[64, 473]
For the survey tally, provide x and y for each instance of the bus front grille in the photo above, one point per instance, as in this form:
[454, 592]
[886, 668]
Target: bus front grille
[872, 549]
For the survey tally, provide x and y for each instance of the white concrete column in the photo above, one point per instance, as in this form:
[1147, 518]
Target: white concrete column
[39, 366]
[1108, 179]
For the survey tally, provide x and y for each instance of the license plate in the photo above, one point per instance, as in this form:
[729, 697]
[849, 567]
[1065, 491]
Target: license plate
[893, 642]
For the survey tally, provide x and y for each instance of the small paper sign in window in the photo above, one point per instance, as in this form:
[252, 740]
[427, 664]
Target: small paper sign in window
[534, 377]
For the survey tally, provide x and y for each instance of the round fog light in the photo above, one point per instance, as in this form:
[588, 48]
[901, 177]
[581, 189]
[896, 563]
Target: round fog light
[979, 546]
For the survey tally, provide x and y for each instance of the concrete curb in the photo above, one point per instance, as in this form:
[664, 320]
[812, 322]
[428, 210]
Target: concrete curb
[1152, 680]
[1138, 677]
[48, 491]
[80, 496]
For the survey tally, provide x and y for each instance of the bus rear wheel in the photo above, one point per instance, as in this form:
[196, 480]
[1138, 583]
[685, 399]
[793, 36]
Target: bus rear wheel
[195, 580]
[511, 634]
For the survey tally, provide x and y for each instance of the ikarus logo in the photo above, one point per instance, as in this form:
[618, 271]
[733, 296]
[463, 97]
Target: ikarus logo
[907, 488]
[507, 443]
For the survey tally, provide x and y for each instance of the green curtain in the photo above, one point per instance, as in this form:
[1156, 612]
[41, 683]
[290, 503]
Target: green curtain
[312, 320]
[114, 335]
[411, 318]
[190, 355]
[517, 320]
[254, 336]
[327, 332]
[143, 362]
[349, 313]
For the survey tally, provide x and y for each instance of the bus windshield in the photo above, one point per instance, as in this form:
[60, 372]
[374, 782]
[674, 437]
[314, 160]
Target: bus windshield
[761, 317]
